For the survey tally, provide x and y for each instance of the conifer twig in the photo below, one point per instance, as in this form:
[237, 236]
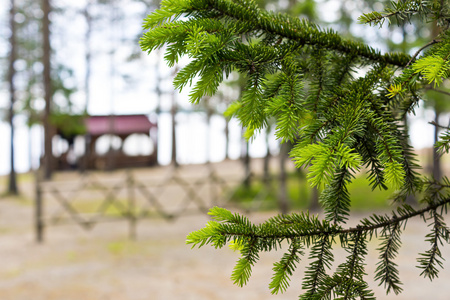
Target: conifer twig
[420, 50]
[438, 125]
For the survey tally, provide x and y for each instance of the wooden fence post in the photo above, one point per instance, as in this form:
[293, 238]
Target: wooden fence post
[38, 204]
[131, 205]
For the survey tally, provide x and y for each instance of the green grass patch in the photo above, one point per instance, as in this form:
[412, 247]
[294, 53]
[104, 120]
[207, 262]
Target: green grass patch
[21, 178]
[264, 195]
[92, 206]
[125, 247]
[364, 199]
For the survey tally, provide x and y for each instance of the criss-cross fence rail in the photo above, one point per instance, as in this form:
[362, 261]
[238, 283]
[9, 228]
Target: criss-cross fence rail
[91, 198]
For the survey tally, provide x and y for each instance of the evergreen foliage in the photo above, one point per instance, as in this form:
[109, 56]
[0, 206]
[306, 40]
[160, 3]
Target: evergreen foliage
[339, 121]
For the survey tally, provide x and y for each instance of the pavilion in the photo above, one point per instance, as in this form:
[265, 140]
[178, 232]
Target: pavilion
[121, 128]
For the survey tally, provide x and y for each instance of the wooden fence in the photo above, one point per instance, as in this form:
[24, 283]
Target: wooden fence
[131, 195]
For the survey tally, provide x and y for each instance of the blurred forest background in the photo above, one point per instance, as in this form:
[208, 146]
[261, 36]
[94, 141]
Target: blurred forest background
[64, 61]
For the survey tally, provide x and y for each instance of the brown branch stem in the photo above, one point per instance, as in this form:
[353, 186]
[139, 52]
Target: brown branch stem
[420, 50]
[437, 125]
[358, 229]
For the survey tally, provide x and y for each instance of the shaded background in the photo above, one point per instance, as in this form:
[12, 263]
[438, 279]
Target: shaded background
[98, 69]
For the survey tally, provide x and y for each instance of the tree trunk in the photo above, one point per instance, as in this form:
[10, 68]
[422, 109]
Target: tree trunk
[87, 78]
[437, 171]
[209, 114]
[283, 202]
[12, 186]
[174, 132]
[87, 57]
[410, 199]
[314, 205]
[247, 163]
[266, 166]
[227, 137]
[47, 89]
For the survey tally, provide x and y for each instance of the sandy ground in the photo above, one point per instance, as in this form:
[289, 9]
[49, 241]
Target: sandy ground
[104, 264]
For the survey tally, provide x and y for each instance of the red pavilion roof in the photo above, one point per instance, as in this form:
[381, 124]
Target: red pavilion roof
[118, 124]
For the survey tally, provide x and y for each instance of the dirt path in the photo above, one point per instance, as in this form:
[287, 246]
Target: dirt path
[104, 264]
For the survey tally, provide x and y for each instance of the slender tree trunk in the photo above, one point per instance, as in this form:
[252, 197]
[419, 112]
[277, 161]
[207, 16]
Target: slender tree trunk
[31, 75]
[158, 91]
[47, 89]
[87, 78]
[410, 199]
[283, 202]
[12, 186]
[88, 53]
[209, 113]
[113, 23]
[30, 146]
[227, 137]
[437, 171]
[266, 166]
[314, 205]
[247, 163]
[174, 132]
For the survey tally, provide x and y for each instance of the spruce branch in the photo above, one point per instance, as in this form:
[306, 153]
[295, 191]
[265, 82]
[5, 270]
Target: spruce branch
[249, 16]
[291, 227]
[378, 18]
[243, 269]
[315, 275]
[301, 76]
[336, 198]
[353, 269]
[400, 10]
[285, 268]
[303, 229]
[386, 271]
[432, 258]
